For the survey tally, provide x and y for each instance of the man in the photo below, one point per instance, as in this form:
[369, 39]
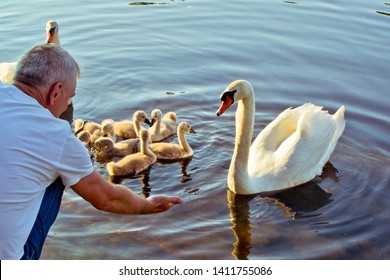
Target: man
[40, 156]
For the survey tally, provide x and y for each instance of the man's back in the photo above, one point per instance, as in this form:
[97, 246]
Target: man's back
[35, 149]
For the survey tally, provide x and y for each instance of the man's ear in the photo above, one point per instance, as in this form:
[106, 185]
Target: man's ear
[54, 92]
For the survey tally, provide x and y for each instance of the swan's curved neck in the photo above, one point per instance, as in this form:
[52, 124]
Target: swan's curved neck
[56, 40]
[183, 143]
[238, 171]
[137, 127]
[156, 128]
[145, 148]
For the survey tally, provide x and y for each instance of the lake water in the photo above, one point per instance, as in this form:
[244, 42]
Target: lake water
[179, 56]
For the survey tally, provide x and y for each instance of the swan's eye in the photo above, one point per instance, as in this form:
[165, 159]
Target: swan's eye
[229, 94]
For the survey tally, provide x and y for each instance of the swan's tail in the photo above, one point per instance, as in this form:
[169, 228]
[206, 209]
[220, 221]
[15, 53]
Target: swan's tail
[340, 122]
[324, 134]
[338, 118]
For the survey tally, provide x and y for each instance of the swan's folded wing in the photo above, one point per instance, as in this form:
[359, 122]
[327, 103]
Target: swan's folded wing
[291, 150]
[262, 159]
[317, 129]
[273, 135]
[272, 163]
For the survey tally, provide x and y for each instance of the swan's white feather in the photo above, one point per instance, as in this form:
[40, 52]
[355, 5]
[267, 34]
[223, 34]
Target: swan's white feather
[7, 70]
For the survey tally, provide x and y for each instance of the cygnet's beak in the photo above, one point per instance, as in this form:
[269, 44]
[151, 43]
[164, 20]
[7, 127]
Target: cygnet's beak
[148, 122]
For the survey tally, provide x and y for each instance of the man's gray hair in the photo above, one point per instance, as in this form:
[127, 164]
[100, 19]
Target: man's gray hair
[44, 65]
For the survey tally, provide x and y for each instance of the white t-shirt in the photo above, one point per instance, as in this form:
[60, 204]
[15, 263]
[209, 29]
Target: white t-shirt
[35, 149]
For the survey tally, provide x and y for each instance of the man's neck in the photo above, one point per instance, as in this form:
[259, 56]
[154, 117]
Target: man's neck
[31, 91]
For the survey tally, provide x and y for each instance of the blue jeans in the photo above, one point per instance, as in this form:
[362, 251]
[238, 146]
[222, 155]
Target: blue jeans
[46, 216]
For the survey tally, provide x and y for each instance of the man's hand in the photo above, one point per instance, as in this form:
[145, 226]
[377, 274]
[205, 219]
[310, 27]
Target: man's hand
[161, 203]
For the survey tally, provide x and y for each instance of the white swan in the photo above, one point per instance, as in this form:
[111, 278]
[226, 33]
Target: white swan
[127, 129]
[135, 163]
[162, 127]
[107, 147]
[289, 151]
[7, 69]
[171, 151]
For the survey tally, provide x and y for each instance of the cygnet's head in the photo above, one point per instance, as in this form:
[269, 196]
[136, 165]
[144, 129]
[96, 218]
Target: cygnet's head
[140, 116]
[143, 135]
[104, 144]
[108, 129]
[84, 137]
[185, 127]
[156, 115]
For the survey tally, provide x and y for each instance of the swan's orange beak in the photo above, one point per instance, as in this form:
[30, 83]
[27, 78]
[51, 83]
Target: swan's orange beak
[50, 35]
[226, 103]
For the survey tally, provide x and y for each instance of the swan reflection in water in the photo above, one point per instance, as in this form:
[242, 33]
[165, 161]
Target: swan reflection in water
[300, 202]
[144, 176]
[186, 177]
